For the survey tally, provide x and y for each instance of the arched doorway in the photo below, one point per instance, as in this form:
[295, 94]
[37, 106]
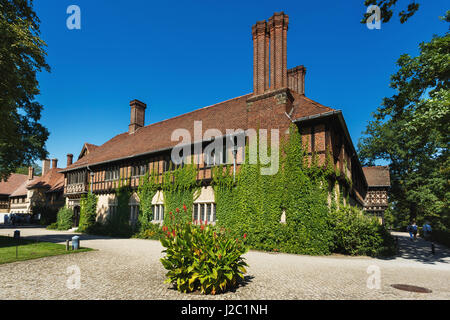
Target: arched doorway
[76, 216]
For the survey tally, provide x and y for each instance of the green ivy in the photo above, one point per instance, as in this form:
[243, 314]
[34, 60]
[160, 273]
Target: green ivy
[148, 186]
[88, 212]
[180, 187]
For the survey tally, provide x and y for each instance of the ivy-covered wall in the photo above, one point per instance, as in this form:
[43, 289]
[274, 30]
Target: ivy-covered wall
[256, 203]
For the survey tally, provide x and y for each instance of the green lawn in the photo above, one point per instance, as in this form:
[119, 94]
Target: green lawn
[30, 249]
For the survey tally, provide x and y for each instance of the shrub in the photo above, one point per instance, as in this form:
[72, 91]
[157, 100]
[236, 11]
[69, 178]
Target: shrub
[202, 258]
[65, 219]
[357, 234]
[53, 226]
[88, 212]
[152, 232]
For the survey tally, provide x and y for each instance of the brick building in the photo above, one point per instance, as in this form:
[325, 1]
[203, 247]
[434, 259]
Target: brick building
[377, 198]
[278, 100]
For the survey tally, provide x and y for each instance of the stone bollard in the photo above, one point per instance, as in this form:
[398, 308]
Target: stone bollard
[67, 245]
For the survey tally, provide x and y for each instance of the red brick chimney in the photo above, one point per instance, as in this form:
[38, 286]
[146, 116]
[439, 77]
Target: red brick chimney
[45, 166]
[30, 173]
[54, 163]
[261, 41]
[137, 116]
[69, 159]
[296, 79]
[278, 27]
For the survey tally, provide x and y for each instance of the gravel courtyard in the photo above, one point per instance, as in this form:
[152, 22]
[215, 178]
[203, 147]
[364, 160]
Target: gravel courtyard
[130, 269]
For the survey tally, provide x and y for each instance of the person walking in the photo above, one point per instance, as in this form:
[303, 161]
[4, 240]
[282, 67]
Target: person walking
[410, 230]
[414, 230]
[427, 231]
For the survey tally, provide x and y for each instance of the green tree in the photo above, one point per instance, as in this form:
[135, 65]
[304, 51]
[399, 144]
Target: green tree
[387, 10]
[410, 131]
[24, 170]
[22, 56]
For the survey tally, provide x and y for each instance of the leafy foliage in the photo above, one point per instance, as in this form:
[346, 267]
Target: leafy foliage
[65, 219]
[180, 186]
[410, 131]
[22, 53]
[48, 214]
[88, 212]
[202, 258]
[147, 189]
[358, 234]
[387, 11]
[255, 203]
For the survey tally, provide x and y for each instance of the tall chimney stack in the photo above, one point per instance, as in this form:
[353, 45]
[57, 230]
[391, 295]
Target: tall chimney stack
[54, 163]
[261, 68]
[278, 27]
[69, 159]
[45, 166]
[137, 116]
[30, 173]
[296, 79]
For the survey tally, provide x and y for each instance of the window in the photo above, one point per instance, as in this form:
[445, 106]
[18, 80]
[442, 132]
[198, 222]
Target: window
[112, 174]
[139, 170]
[134, 213]
[158, 212]
[112, 210]
[205, 212]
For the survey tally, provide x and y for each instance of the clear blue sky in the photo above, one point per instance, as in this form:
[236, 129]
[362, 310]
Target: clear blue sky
[183, 55]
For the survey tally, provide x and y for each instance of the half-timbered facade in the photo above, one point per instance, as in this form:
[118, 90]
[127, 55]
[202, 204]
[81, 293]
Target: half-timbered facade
[278, 100]
[377, 199]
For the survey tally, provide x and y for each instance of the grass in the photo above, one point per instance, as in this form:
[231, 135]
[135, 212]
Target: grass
[30, 249]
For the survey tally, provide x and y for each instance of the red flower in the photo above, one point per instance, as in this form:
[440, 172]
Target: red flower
[245, 236]
[170, 212]
[178, 210]
[173, 233]
[164, 228]
[202, 227]
[168, 234]
[184, 207]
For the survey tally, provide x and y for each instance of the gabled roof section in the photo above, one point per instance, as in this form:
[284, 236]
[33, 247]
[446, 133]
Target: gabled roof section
[87, 148]
[12, 184]
[52, 181]
[377, 176]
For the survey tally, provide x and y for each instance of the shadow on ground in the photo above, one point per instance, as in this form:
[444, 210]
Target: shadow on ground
[420, 250]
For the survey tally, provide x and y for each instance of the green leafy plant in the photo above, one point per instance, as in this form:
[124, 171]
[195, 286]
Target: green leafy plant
[65, 219]
[358, 234]
[201, 257]
[88, 212]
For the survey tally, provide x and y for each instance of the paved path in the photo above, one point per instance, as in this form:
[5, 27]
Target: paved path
[130, 269]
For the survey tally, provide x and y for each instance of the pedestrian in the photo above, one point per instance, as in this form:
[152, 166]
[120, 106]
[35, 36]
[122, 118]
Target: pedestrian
[427, 231]
[410, 230]
[414, 230]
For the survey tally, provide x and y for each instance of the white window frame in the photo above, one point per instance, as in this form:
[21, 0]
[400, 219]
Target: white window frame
[200, 212]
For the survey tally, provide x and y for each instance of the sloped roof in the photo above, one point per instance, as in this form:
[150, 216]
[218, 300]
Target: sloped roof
[377, 176]
[230, 114]
[13, 183]
[53, 181]
[87, 148]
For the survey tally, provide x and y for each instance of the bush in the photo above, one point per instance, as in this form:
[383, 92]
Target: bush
[357, 234]
[202, 258]
[65, 219]
[151, 231]
[53, 226]
[88, 212]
